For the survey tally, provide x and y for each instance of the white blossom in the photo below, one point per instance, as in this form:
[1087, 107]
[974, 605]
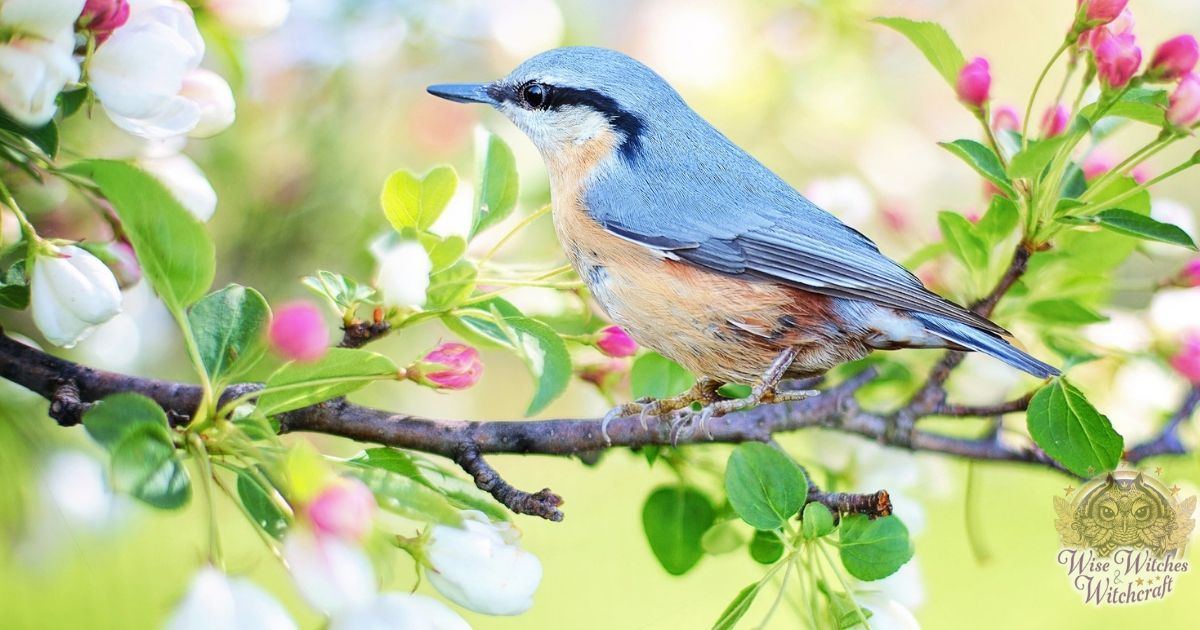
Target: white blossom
[403, 274]
[333, 575]
[480, 566]
[36, 62]
[215, 601]
[249, 18]
[138, 74]
[186, 182]
[71, 293]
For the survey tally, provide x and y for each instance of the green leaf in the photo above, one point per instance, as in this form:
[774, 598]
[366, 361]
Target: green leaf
[1147, 105]
[765, 547]
[933, 41]
[14, 286]
[310, 383]
[765, 487]
[960, 238]
[71, 100]
[656, 376]
[999, 221]
[172, 246]
[449, 287]
[544, 354]
[1062, 421]
[444, 252]
[262, 510]
[343, 291]
[458, 491]
[984, 161]
[1133, 224]
[675, 519]
[721, 538]
[816, 521]
[407, 497]
[45, 137]
[409, 202]
[845, 610]
[872, 549]
[111, 419]
[474, 323]
[1033, 160]
[1063, 312]
[498, 185]
[734, 390]
[738, 607]
[230, 329]
[390, 459]
[146, 466]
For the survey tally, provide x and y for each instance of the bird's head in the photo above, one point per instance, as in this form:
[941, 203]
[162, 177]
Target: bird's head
[578, 100]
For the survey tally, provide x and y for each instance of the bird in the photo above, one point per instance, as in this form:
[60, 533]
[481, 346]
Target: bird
[699, 251]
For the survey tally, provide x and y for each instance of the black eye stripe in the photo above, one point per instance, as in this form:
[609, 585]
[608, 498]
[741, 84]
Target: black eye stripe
[557, 97]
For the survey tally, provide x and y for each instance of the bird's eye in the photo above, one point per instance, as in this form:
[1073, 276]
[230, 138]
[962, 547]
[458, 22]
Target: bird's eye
[536, 95]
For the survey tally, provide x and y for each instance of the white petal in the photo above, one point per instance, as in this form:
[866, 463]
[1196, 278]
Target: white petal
[250, 17]
[186, 182]
[399, 610]
[404, 274]
[213, 98]
[480, 566]
[215, 601]
[43, 18]
[331, 574]
[57, 324]
[32, 73]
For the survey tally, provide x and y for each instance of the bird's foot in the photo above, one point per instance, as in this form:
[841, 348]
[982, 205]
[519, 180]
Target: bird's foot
[703, 392]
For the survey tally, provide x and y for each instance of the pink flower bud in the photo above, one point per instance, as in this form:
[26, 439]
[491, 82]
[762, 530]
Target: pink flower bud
[1175, 58]
[974, 82]
[102, 17]
[1140, 174]
[1117, 59]
[298, 332]
[1123, 25]
[1187, 360]
[449, 366]
[615, 342]
[1054, 121]
[1095, 164]
[1184, 107]
[602, 374]
[343, 509]
[1006, 118]
[1102, 11]
[1189, 276]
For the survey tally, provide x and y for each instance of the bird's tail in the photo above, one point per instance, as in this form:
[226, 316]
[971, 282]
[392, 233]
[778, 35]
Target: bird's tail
[988, 343]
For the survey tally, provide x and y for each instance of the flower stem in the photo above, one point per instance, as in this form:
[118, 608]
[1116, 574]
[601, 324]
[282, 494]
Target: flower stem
[513, 232]
[841, 580]
[1037, 86]
[1139, 156]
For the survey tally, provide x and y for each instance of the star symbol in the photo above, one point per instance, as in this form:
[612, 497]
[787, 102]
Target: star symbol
[1175, 490]
[1158, 471]
[1140, 581]
[1069, 490]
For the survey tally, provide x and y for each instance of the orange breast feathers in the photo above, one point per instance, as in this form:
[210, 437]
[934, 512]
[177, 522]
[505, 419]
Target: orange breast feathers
[716, 325]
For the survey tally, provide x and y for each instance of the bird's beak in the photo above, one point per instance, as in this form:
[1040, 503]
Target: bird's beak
[463, 92]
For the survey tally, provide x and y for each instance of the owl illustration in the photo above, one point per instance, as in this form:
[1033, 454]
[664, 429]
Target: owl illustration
[1125, 513]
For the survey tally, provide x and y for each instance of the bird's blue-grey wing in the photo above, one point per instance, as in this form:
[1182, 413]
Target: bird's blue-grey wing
[765, 230]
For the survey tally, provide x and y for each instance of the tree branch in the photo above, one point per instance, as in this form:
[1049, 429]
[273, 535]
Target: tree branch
[466, 442]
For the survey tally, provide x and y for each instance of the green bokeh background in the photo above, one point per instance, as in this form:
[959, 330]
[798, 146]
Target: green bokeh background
[811, 88]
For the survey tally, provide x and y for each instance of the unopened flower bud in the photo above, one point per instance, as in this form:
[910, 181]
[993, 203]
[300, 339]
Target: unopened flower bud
[102, 17]
[974, 82]
[1006, 118]
[1183, 109]
[480, 566]
[1174, 58]
[1096, 164]
[298, 332]
[1054, 121]
[344, 509]
[615, 342]
[1102, 11]
[449, 366]
[71, 293]
[1117, 59]
[214, 98]
[1187, 360]
[1189, 276]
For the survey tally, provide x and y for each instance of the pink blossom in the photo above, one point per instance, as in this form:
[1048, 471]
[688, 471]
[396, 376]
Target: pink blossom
[449, 366]
[974, 82]
[615, 342]
[1117, 58]
[343, 509]
[1006, 118]
[102, 17]
[1184, 106]
[895, 217]
[1095, 164]
[1054, 121]
[1123, 25]
[1187, 360]
[298, 332]
[1175, 58]
[1189, 276]
[1102, 11]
